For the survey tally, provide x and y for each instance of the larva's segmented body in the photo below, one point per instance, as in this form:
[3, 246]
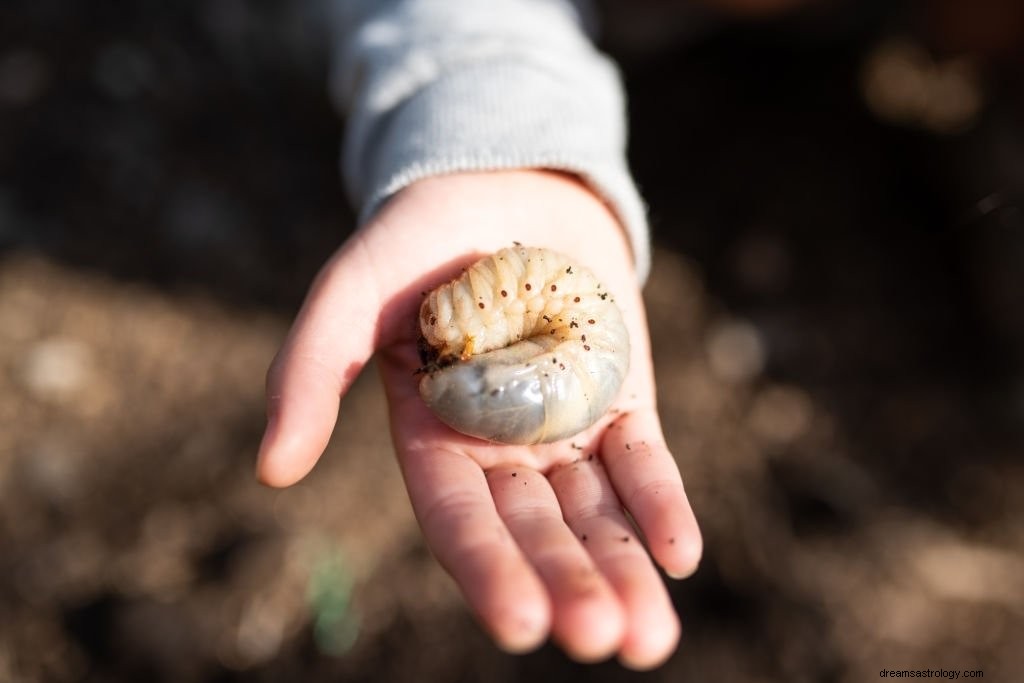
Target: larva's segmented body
[524, 347]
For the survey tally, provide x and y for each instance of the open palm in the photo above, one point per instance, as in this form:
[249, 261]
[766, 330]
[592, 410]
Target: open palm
[537, 537]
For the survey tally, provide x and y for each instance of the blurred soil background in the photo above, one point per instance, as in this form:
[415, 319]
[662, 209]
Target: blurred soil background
[837, 308]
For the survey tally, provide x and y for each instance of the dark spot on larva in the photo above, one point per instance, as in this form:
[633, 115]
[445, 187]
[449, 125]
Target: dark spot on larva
[546, 318]
[561, 366]
[583, 337]
[554, 288]
[528, 286]
[481, 304]
[628, 447]
[552, 331]
[625, 539]
[518, 244]
[573, 323]
[433, 320]
[583, 537]
[578, 448]
[586, 347]
[603, 296]
[599, 285]
[504, 293]
[423, 293]
[569, 270]
[554, 360]
[672, 541]
[591, 321]
[590, 457]
[515, 474]
[576, 299]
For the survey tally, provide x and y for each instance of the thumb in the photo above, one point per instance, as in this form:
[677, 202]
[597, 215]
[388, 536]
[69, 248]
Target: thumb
[331, 340]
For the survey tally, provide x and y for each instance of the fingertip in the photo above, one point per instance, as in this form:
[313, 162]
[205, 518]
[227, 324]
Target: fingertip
[302, 409]
[680, 553]
[512, 604]
[273, 478]
[652, 648]
[683, 559]
[283, 459]
[673, 535]
[515, 610]
[598, 631]
[524, 630]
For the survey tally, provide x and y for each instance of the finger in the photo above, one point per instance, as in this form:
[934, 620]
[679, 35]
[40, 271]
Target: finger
[588, 621]
[332, 338]
[646, 479]
[456, 512]
[595, 515]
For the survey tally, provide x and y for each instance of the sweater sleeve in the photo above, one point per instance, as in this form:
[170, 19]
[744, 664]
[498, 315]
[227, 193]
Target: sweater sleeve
[442, 86]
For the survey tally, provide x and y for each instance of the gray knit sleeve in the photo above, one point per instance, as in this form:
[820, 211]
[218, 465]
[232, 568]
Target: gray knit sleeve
[440, 86]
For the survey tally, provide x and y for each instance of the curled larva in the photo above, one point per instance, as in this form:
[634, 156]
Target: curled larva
[524, 347]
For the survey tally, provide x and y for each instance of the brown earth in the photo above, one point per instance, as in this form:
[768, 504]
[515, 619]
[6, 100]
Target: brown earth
[837, 311]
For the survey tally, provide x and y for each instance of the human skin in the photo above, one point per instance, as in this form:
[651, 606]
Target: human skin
[535, 536]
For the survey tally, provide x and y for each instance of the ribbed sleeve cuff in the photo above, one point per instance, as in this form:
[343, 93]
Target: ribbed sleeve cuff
[502, 104]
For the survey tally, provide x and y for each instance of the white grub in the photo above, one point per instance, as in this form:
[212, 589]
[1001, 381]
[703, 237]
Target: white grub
[524, 347]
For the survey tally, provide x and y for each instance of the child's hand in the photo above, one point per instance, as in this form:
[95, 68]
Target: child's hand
[536, 536]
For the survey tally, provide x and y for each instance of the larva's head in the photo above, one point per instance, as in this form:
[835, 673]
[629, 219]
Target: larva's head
[441, 341]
